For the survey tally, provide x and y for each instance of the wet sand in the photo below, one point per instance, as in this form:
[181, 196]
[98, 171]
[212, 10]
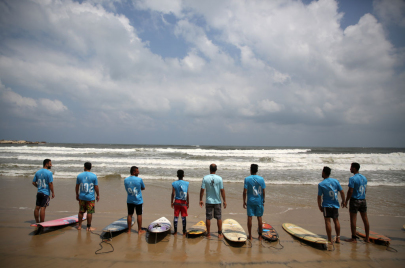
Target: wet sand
[67, 246]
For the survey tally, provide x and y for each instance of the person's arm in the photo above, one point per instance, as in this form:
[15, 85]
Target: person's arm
[264, 196]
[223, 197]
[342, 194]
[97, 192]
[320, 203]
[77, 191]
[51, 188]
[35, 184]
[201, 197]
[349, 195]
[188, 200]
[172, 197]
[244, 198]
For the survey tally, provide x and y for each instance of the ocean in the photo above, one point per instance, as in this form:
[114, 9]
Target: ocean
[278, 165]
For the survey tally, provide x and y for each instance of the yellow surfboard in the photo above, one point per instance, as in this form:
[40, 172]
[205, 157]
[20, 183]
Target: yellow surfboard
[303, 234]
[233, 231]
[197, 229]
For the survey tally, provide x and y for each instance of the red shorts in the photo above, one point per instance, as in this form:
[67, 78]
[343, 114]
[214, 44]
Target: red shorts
[180, 206]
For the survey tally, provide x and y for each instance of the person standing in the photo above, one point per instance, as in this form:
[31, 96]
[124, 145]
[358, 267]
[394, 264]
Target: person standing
[181, 200]
[215, 189]
[87, 183]
[328, 202]
[357, 196]
[43, 180]
[254, 190]
[134, 187]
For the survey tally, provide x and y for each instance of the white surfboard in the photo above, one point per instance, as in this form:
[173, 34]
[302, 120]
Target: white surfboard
[160, 225]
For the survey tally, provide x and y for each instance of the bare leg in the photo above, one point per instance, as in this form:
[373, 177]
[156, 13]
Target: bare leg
[42, 214]
[353, 219]
[129, 222]
[89, 218]
[208, 227]
[36, 214]
[260, 222]
[80, 218]
[337, 229]
[249, 223]
[366, 225]
[219, 223]
[328, 229]
[139, 220]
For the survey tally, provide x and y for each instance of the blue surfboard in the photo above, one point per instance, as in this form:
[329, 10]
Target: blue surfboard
[118, 225]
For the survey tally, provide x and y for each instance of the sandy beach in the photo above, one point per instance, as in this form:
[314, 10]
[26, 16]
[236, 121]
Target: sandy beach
[67, 246]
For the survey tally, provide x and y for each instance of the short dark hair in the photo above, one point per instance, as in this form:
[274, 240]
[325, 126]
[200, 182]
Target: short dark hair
[46, 161]
[180, 173]
[327, 170]
[254, 168]
[87, 165]
[356, 166]
[133, 168]
[213, 167]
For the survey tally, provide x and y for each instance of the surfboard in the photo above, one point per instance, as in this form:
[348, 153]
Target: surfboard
[268, 233]
[374, 237]
[118, 225]
[60, 222]
[160, 225]
[233, 231]
[303, 234]
[197, 229]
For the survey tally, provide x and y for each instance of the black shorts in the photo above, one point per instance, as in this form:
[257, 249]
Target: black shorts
[133, 207]
[357, 205]
[331, 213]
[209, 208]
[42, 200]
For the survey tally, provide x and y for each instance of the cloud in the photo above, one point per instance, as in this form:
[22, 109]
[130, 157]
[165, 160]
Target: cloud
[391, 11]
[248, 64]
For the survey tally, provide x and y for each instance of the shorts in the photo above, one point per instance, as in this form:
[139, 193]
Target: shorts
[255, 210]
[357, 205]
[331, 213]
[180, 206]
[213, 207]
[88, 206]
[42, 200]
[133, 207]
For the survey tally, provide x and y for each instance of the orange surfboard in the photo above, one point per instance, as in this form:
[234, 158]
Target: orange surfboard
[374, 237]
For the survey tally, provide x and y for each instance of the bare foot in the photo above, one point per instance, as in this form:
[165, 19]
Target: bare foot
[129, 231]
[220, 236]
[174, 233]
[367, 240]
[337, 241]
[208, 235]
[249, 237]
[184, 233]
[141, 232]
[89, 229]
[351, 240]
[78, 227]
[260, 238]
[330, 246]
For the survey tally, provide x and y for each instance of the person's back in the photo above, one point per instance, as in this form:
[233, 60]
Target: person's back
[133, 186]
[254, 185]
[329, 188]
[43, 177]
[359, 183]
[213, 184]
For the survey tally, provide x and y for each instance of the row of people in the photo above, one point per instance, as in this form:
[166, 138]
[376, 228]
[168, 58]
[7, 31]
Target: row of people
[87, 192]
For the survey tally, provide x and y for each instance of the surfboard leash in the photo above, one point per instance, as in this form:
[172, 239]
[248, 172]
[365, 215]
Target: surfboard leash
[268, 242]
[106, 241]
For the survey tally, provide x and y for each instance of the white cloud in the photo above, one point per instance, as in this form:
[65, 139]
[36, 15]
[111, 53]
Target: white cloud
[391, 11]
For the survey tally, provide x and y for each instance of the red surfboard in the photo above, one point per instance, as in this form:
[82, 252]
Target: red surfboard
[60, 222]
[269, 233]
[374, 237]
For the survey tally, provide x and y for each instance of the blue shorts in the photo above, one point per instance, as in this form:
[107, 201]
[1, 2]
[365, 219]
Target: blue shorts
[255, 210]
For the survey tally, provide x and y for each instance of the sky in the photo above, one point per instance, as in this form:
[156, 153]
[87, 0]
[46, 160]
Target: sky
[327, 73]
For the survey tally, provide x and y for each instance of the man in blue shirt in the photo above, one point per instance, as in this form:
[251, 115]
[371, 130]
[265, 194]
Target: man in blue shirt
[134, 187]
[328, 202]
[254, 189]
[357, 196]
[214, 186]
[87, 183]
[181, 203]
[43, 180]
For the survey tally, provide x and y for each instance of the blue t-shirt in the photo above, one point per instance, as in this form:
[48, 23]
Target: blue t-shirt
[87, 180]
[181, 188]
[43, 177]
[359, 183]
[329, 189]
[133, 186]
[212, 184]
[254, 185]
